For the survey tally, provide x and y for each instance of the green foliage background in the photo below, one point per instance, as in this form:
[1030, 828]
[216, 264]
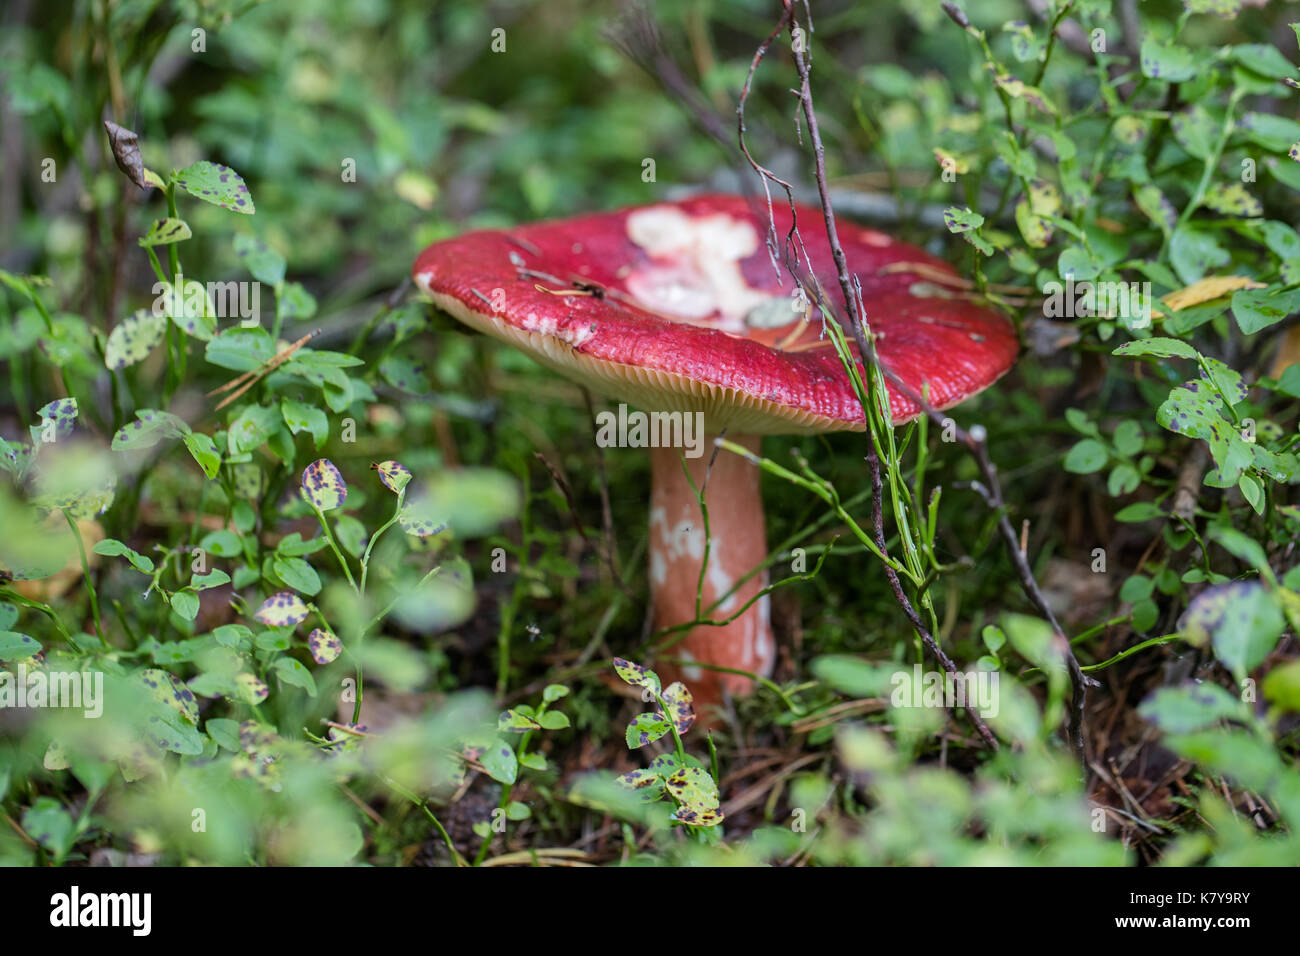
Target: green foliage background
[1124, 162]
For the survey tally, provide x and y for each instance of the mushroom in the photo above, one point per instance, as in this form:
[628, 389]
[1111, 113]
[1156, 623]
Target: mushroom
[676, 308]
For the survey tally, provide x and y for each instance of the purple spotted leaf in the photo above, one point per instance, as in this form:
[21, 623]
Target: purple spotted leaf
[646, 729]
[393, 474]
[324, 646]
[217, 184]
[681, 706]
[698, 816]
[283, 609]
[134, 338]
[636, 675]
[169, 689]
[512, 721]
[57, 419]
[646, 784]
[417, 519]
[693, 787]
[151, 427]
[252, 689]
[164, 232]
[500, 762]
[323, 485]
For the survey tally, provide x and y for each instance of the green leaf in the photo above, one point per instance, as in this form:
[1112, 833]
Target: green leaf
[1078, 264]
[185, 604]
[112, 547]
[17, 647]
[297, 574]
[1190, 707]
[301, 417]
[262, 262]
[1241, 619]
[217, 184]
[554, 720]
[151, 427]
[499, 761]
[213, 579]
[222, 543]
[1194, 252]
[1086, 456]
[553, 692]
[46, 822]
[515, 722]
[164, 232]
[1282, 686]
[204, 451]
[646, 729]
[240, 349]
[224, 731]
[291, 671]
[1158, 347]
[1195, 131]
[1257, 309]
[134, 338]
[252, 429]
[1167, 61]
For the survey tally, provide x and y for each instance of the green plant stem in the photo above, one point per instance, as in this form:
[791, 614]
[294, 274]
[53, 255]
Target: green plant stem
[85, 570]
[329, 537]
[365, 558]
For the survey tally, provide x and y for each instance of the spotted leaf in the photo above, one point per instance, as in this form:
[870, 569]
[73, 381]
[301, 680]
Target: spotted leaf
[151, 427]
[168, 689]
[283, 609]
[324, 646]
[164, 232]
[644, 783]
[512, 721]
[500, 762]
[57, 419]
[251, 688]
[217, 184]
[694, 788]
[417, 519]
[393, 474]
[636, 675]
[323, 485]
[134, 338]
[698, 817]
[646, 729]
[681, 706]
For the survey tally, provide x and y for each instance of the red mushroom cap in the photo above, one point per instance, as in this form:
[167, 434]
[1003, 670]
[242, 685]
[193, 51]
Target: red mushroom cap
[676, 306]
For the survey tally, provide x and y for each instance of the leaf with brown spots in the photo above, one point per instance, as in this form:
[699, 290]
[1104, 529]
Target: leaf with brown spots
[324, 646]
[512, 721]
[681, 706]
[393, 474]
[646, 729]
[636, 675]
[694, 788]
[649, 786]
[282, 609]
[323, 485]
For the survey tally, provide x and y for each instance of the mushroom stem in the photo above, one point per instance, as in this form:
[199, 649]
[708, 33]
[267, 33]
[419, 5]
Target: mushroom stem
[737, 545]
